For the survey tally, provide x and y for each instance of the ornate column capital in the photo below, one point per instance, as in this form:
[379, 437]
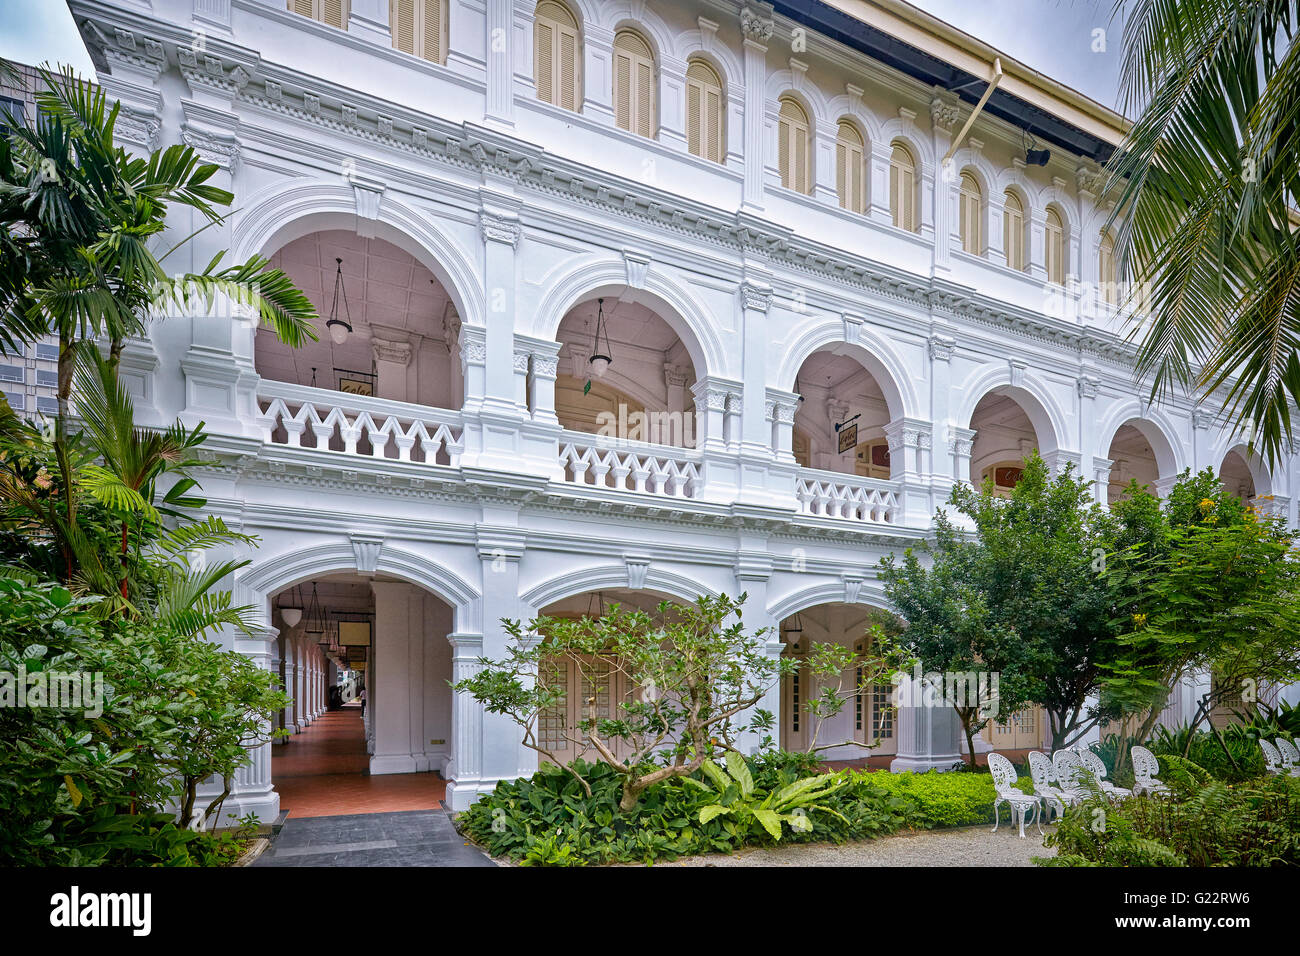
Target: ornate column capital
[756, 25]
[942, 347]
[960, 441]
[908, 433]
[384, 350]
[1201, 418]
[498, 228]
[943, 113]
[1088, 385]
[755, 295]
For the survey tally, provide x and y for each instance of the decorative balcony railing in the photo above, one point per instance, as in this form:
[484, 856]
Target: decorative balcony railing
[300, 416]
[828, 494]
[661, 470]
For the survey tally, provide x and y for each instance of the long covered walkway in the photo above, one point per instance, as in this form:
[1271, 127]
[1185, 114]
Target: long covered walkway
[324, 771]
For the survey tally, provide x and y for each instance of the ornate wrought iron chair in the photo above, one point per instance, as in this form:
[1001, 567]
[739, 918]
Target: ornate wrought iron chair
[1145, 768]
[1272, 759]
[1044, 777]
[1098, 769]
[1004, 778]
[1290, 756]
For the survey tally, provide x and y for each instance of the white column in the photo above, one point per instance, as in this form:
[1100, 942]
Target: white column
[389, 695]
[755, 437]
[465, 768]
[500, 106]
[251, 789]
[929, 735]
[756, 27]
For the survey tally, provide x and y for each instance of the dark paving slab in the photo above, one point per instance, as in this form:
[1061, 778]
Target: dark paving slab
[409, 838]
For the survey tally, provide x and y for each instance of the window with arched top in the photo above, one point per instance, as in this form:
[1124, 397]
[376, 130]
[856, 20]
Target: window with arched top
[851, 168]
[557, 56]
[1107, 273]
[1054, 247]
[1013, 231]
[334, 13]
[970, 215]
[794, 157]
[902, 188]
[634, 84]
[419, 27]
[705, 112]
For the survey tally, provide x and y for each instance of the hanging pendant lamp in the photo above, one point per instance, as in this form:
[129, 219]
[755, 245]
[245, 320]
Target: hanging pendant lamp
[315, 618]
[601, 360]
[338, 328]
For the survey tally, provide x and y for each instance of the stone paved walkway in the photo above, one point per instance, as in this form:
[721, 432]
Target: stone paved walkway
[414, 838]
[965, 846]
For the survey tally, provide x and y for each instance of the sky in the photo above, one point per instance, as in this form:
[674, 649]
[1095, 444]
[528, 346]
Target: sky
[1055, 37]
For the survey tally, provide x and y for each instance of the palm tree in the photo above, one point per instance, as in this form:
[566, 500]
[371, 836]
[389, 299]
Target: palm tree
[79, 220]
[1207, 184]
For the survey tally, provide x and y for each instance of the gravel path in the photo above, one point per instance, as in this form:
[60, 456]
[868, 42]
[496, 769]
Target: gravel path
[965, 846]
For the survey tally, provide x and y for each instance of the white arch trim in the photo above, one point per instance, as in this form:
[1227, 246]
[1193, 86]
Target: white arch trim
[870, 594]
[873, 351]
[611, 576]
[1032, 395]
[1259, 473]
[275, 216]
[259, 581]
[1155, 426]
[686, 316]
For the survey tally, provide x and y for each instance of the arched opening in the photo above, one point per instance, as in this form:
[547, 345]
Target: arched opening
[1055, 245]
[397, 328]
[970, 215]
[625, 373]
[904, 186]
[557, 56]
[793, 148]
[1139, 451]
[1013, 230]
[851, 167]
[706, 111]
[367, 664]
[866, 729]
[635, 78]
[839, 425]
[1237, 477]
[589, 682]
[1004, 437]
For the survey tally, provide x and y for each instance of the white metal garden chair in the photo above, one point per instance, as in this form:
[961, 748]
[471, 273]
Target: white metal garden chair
[1145, 768]
[1004, 779]
[1272, 759]
[1070, 775]
[1040, 770]
[1098, 769]
[1290, 756]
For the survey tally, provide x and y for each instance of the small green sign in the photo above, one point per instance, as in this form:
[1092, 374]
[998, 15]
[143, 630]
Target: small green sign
[586, 389]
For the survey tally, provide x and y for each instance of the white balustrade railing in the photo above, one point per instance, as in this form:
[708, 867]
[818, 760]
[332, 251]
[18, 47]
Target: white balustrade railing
[828, 494]
[662, 470]
[300, 416]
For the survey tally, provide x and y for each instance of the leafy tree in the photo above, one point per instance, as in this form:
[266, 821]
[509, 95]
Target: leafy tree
[1208, 584]
[829, 663]
[695, 670]
[950, 629]
[1206, 182]
[1022, 596]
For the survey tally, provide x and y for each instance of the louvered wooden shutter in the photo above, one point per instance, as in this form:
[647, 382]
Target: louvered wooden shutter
[902, 189]
[850, 169]
[431, 34]
[1013, 229]
[401, 18]
[792, 146]
[969, 221]
[302, 7]
[334, 13]
[544, 67]
[568, 58]
[704, 111]
[634, 74]
[1107, 274]
[1054, 247]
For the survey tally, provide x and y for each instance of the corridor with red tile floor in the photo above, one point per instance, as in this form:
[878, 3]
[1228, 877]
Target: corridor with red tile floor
[324, 772]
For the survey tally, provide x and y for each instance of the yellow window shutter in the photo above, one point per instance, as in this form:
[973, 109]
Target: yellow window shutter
[334, 13]
[568, 81]
[644, 98]
[401, 20]
[695, 132]
[623, 90]
[432, 28]
[302, 7]
[544, 67]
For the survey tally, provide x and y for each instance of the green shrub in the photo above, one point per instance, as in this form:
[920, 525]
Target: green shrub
[547, 819]
[941, 799]
[1245, 763]
[1199, 824]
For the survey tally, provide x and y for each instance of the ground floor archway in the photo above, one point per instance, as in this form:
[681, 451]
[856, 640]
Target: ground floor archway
[368, 664]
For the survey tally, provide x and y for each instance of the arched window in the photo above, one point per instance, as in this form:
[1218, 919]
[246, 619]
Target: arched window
[1013, 230]
[851, 168]
[634, 84]
[1107, 274]
[902, 188]
[793, 154]
[1054, 247]
[705, 112]
[331, 12]
[419, 27]
[557, 56]
[972, 202]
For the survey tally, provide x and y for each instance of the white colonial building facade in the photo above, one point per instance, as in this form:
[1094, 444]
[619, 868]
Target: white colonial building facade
[815, 325]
